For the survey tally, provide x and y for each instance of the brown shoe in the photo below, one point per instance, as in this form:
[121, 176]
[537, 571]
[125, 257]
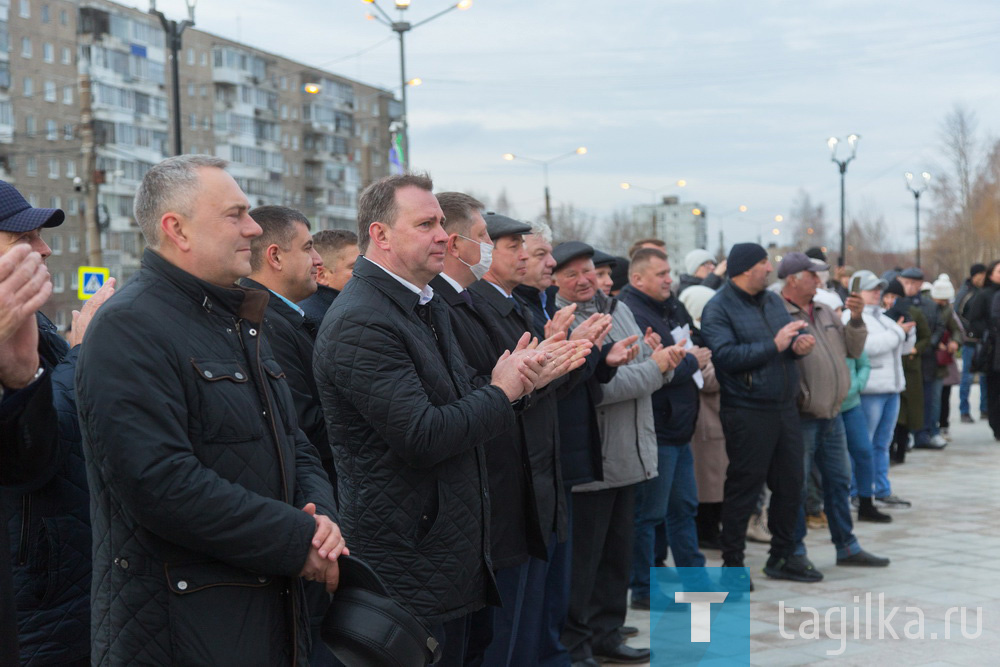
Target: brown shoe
[816, 521]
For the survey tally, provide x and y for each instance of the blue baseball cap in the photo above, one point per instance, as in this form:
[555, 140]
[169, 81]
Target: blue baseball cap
[17, 215]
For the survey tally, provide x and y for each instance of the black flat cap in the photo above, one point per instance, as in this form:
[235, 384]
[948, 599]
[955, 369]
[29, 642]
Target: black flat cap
[499, 226]
[570, 250]
[604, 259]
[914, 273]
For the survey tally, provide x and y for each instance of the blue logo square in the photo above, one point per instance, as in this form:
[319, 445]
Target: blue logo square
[697, 615]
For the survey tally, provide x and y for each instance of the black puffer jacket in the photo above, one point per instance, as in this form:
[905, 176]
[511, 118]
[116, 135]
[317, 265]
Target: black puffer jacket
[710, 281]
[198, 473]
[408, 430]
[49, 531]
[740, 328]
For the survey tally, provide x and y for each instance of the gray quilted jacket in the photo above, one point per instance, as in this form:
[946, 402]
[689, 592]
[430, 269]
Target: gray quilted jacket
[625, 413]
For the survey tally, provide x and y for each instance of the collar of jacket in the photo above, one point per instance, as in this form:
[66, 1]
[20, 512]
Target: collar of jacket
[277, 305]
[756, 299]
[447, 293]
[529, 294]
[376, 276]
[327, 294]
[493, 296]
[245, 304]
[665, 307]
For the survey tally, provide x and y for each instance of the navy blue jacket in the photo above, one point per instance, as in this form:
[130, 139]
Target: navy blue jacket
[49, 531]
[675, 404]
[316, 305]
[740, 330]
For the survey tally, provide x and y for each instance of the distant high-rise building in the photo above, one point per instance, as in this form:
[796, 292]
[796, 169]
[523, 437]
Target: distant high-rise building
[682, 225]
[313, 151]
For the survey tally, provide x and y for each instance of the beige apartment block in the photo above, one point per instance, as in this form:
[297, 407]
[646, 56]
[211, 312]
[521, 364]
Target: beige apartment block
[313, 151]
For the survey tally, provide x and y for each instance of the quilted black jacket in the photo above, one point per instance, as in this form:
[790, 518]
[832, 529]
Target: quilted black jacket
[197, 471]
[740, 328]
[408, 430]
[49, 531]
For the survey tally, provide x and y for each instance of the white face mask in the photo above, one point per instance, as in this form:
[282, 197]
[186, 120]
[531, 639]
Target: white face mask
[485, 258]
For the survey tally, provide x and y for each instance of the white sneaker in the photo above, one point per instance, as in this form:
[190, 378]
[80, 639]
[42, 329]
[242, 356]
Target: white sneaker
[757, 530]
[938, 441]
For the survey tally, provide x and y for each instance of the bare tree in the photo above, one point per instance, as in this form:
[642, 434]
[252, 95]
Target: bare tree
[569, 224]
[621, 230]
[809, 221]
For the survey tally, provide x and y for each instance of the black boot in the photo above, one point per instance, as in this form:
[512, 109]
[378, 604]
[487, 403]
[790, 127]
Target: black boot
[868, 512]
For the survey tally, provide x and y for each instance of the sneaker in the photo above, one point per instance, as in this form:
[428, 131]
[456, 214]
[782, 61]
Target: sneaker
[935, 442]
[967, 419]
[893, 501]
[735, 578]
[945, 434]
[793, 568]
[863, 559]
[816, 521]
[911, 442]
[757, 530]
[855, 503]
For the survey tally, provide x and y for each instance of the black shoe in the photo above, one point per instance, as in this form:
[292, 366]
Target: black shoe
[709, 544]
[735, 578]
[793, 568]
[586, 662]
[967, 419]
[639, 604]
[623, 654]
[628, 631]
[863, 559]
[868, 512]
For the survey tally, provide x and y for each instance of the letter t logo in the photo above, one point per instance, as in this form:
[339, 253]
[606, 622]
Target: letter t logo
[701, 612]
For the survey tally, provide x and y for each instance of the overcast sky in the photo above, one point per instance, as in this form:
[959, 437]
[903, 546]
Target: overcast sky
[737, 98]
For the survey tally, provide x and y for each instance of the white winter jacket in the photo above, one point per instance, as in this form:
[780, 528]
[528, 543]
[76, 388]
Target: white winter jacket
[886, 344]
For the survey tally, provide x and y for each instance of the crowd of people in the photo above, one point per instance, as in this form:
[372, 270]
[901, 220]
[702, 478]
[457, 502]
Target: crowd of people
[510, 434]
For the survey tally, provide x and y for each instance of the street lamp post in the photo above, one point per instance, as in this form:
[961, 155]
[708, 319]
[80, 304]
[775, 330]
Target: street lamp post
[401, 27]
[653, 192]
[916, 202]
[173, 31]
[832, 142]
[582, 150]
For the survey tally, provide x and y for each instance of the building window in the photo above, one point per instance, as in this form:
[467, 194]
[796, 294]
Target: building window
[190, 90]
[50, 91]
[63, 17]
[204, 90]
[68, 133]
[295, 143]
[55, 202]
[190, 56]
[284, 112]
[32, 166]
[74, 205]
[284, 83]
[55, 242]
[25, 6]
[67, 94]
[192, 121]
[206, 123]
[74, 243]
[29, 86]
[53, 168]
[25, 47]
[45, 13]
[48, 53]
[66, 55]
[70, 170]
[51, 130]
[58, 282]
[74, 277]
[29, 125]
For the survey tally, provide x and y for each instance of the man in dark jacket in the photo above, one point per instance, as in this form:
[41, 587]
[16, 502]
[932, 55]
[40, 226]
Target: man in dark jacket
[284, 261]
[754, 346]
[208, 502]
[49, 527]
[408, 425]
[965, 297]
[672, 494]
[339, 250]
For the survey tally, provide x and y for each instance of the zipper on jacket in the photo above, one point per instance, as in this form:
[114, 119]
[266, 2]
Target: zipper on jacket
[22, 547]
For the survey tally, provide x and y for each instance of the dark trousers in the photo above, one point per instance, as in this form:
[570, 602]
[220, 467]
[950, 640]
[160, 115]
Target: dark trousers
[602, 562]
[763, 446]
[452, 636]
[944, 421]
[993, 402]
[551, 652]
[709, 515]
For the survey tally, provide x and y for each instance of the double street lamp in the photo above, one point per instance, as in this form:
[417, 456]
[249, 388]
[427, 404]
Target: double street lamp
[832, 142]
[401, 27]
[916, 201]
[173, 31]
[582, 150]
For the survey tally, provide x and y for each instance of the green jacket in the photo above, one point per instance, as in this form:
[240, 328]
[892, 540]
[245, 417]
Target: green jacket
[859, 369]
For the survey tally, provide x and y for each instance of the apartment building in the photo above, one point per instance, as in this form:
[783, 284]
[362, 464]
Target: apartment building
[682, 225]
[313, 151]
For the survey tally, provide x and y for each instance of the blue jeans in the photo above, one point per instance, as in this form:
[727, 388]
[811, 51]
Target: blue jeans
[881, 412]
[825, 442]
[859, 446]
[967, 374]
[672, 494]
[932, 411]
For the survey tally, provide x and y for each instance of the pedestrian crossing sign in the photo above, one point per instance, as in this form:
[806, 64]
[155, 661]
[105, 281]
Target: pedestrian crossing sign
[90, 279]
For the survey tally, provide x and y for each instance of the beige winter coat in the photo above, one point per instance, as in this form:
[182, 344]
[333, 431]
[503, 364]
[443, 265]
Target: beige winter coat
[708, 444]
